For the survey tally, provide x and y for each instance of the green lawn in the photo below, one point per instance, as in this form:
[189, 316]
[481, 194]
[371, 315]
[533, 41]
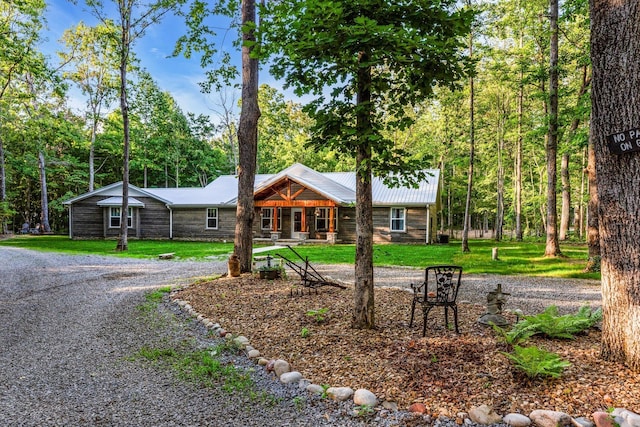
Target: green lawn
[517, 258]
[137, 248]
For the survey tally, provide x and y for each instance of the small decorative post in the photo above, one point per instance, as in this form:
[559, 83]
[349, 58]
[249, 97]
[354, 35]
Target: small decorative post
[495, 301]
[234, 266]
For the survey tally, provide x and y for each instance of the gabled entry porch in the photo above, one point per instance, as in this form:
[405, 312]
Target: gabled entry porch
[291, 211]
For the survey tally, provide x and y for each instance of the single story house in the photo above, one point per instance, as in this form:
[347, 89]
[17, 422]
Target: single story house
[298, 203]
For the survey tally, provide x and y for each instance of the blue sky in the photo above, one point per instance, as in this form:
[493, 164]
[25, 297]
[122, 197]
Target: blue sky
[177, 76]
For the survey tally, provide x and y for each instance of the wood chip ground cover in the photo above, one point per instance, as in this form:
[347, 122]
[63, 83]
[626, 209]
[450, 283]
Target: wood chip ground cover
[447, 372]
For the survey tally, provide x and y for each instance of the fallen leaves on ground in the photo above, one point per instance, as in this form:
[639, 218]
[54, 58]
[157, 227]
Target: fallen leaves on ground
[449, 373]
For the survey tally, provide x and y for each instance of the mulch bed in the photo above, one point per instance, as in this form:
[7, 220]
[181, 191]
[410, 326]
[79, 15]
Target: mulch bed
[447, 372]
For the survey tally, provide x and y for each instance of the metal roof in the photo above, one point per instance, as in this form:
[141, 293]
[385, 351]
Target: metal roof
[115, 190]
[313, 180]
[425, 194]
[338, 186]
[117, 201]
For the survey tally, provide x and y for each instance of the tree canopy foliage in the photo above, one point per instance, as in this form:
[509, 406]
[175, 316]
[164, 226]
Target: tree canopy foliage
[175, 147]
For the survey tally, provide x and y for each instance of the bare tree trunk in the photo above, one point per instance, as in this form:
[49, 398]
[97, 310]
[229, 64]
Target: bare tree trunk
[44, 195]
[579, 222]
[615, 43]
[92, 152]
[518, 162]
[565, 216]
[123, 238]
[449, 206]
[3, 187]
[553, 245]
[500, 185]
[229, 129]
[472, 142]
[363, 309]
[441, 193]
[166, 175]
[177, 172]
[247, 143]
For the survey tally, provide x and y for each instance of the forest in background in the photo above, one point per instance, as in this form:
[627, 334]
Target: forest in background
[46, 149]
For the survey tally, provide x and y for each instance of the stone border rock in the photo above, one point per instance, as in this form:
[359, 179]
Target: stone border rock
[363, 398]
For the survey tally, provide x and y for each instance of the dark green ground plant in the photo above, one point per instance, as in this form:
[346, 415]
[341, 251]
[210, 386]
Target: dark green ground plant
[536, 362]
[552, 325]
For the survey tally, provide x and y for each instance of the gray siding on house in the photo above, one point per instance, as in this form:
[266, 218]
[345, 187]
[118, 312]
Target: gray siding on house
[347, 225]
[415, 228]
[191, 223]
[154, 219]
[87, 218]
[91, 221]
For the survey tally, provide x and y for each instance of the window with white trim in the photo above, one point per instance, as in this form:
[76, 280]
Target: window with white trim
[398, 219]
[322, 219]
[212, 218]
[266, 218]
[114, 217]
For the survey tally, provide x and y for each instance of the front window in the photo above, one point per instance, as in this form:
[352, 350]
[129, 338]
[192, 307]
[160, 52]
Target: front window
[114, 217]
[266, 218]
[398, 219]
[212, 218]
[322, 219]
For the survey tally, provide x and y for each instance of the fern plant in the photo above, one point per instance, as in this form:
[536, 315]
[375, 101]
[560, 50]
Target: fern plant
[551, 325]
[536, 362]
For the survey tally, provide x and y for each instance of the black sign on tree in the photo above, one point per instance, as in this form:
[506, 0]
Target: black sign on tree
[624, 142]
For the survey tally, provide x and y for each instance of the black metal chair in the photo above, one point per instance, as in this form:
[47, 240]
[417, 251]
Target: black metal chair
[439, 289]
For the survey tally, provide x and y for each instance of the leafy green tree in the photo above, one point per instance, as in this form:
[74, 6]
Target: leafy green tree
[133, 18]
[91, 53]
[284, 137]
[365, 61]
[20, 24]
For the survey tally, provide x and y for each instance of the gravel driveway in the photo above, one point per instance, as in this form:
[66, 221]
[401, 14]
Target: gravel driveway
[70, 326]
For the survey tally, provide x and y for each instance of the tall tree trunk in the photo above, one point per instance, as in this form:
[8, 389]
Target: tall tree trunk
[177, 172]
[363, 309]
[450, 206]
[441, 193]
[518, 160]
[553, 245]
[247, 142]
[472, 143]
[615, 44]
[3, 187]
[123, 238]
[92, 151]
[579, 216]
[565, 216]
[166, 174]
[44, 195]
[593, 233]
[500, 184]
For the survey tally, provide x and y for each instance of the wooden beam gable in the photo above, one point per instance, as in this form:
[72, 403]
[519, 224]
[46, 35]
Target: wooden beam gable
[289, 193]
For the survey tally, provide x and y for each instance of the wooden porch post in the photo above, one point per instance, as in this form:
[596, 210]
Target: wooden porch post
[275, 218]
[303, 220]
[331, 219]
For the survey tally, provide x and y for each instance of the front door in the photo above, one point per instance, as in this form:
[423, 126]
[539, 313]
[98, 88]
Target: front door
[296, 222]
